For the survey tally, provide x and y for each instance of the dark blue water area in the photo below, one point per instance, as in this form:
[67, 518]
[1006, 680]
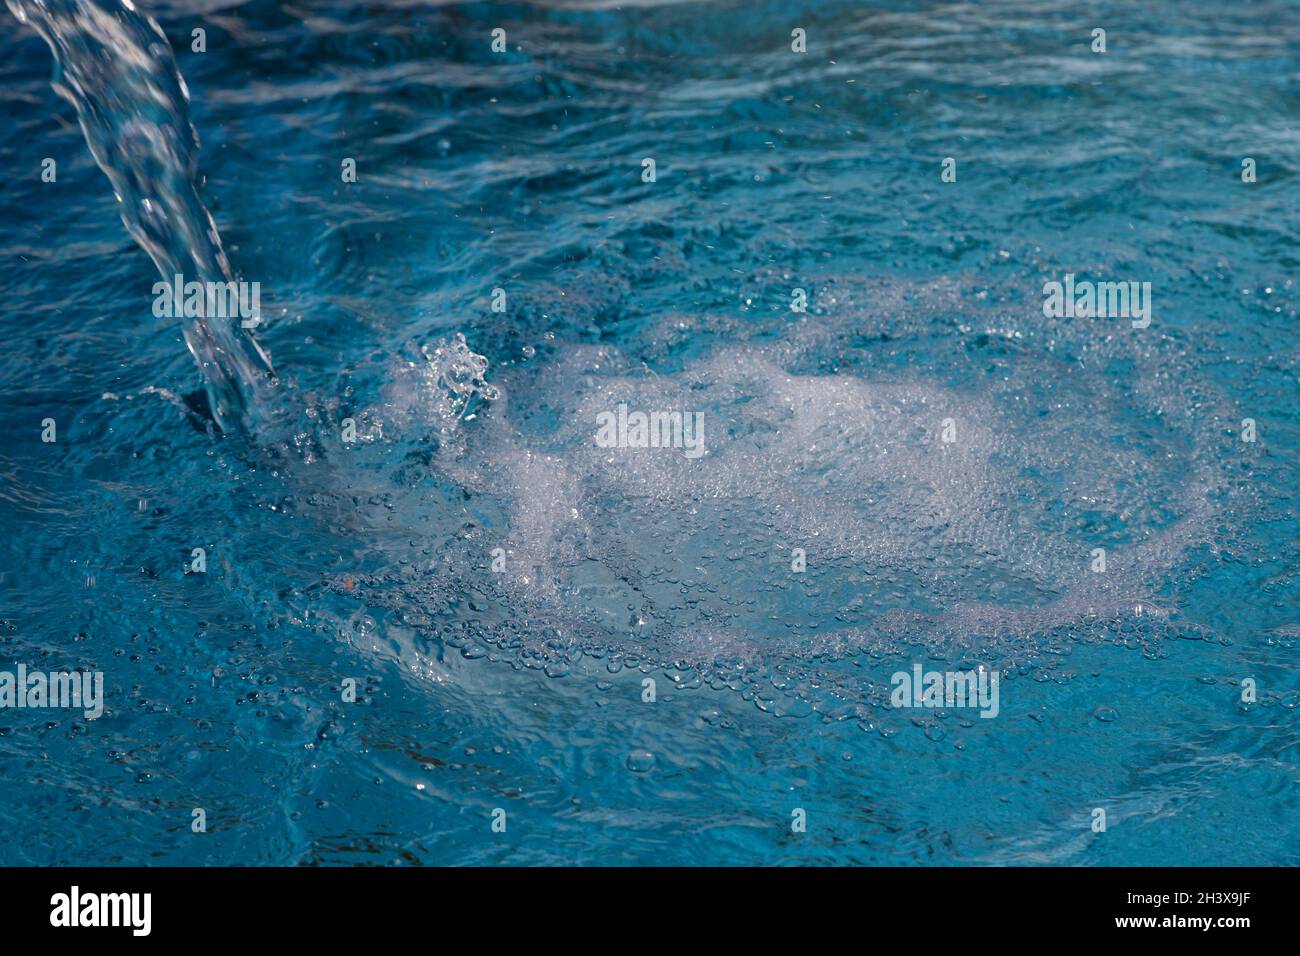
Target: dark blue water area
[523, 690]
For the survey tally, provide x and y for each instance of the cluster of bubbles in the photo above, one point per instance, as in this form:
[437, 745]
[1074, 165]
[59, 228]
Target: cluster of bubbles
[973, 550]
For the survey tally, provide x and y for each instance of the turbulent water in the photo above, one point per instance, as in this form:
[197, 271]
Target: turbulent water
[419, 502]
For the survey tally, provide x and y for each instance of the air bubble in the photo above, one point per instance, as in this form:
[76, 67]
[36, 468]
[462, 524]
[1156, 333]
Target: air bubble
[640, 761]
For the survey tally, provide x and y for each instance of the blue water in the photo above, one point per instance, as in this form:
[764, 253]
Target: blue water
[522, 688]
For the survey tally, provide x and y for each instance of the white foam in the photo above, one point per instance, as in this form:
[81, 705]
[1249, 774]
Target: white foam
[978, 549]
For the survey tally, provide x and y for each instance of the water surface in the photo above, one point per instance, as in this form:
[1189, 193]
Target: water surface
[523, 689]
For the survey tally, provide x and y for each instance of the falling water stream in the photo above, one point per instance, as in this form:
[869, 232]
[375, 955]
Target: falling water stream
[114, 64]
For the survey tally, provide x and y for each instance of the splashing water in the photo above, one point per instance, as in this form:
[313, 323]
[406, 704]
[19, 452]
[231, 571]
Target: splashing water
[972, 552]
[924, 545]
[114, 64]
[502, 585]
[435, 392]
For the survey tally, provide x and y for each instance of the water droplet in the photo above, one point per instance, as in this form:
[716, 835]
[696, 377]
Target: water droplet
[640, 761]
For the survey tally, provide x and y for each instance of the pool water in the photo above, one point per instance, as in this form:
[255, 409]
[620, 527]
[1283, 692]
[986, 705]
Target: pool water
[430, 594]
